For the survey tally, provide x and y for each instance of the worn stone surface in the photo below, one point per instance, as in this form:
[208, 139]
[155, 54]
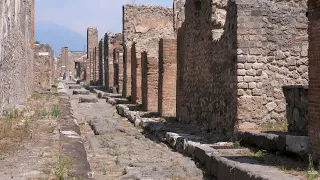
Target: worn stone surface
[88, 99]
[43, 66]
[145, 25]
[314, 91]
[16, 61]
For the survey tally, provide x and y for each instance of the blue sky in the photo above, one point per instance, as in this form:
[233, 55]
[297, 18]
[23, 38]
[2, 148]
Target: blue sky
[77, 15]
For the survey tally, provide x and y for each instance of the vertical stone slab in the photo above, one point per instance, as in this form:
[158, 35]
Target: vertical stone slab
[314, 77]
[92, 43]
[167, 77]
[149, 82]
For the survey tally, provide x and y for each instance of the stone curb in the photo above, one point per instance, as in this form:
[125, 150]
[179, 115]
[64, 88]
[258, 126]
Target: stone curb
[298, 145]
[237, 168]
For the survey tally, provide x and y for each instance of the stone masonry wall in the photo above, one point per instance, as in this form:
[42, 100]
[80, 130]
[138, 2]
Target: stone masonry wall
[178, 13]
[43, 62]
[234, 58]
[167, 77]
[314, 74]
[93, 63]
[109, 55]
[73, 57]
[16, 56]
[64, 61]
[272, 52]
[145, 25]
[207, 93]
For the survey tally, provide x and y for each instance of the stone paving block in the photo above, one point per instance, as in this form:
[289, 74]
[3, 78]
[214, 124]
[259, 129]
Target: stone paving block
[201, 152]
[122, 109]
[82, 92]
[74, 87]
[88, 100]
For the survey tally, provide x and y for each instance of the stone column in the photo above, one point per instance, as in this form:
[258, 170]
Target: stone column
[121, 67]
[127, 72]
[314, 77]
[167, 77]
[149, 83]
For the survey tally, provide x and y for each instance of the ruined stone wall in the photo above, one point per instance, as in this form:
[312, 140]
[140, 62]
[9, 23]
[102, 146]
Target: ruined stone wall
[272, 52]
[235, 56]
[118, 61]
[207, 65]
[145, 25]
[16, 56]
[314, 74]
[178, 13]
[92, 55]
[73, 58]
[43, 65]
[167, 77]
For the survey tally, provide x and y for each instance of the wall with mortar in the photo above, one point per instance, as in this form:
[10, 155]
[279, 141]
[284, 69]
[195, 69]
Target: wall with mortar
[145, 25]
[207, 93]
[43, 66]
[16, 54]
[167, 77]
[314, 74]
[272, 52]
[232, 69]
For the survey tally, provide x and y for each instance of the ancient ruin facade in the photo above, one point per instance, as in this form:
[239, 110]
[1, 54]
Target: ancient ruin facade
[43, 66]
[75, 59]
[314, 74]
[247, 52]
[16, 53]
[64, 58]
[92, 72]
[143, 27]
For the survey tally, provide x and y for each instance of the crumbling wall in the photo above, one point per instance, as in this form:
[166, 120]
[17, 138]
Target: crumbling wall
[42, 69]
[272, 52]
[16, 54]
[234, 58]
[207, 54]
[145, 25]
[314, 74]
[74, 60]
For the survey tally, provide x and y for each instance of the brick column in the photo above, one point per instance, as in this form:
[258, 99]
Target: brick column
[167, 77]
[111, 69]
[149, 83]
[92, 44]
[32, 24]
[101, 62]
[106, 63]
[120, 66]
[135, 75]
[127, 72]
[64, 60]
[314, 77]
[115, 67]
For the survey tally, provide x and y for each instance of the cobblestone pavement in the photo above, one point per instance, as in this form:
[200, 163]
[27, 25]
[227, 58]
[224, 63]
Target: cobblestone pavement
[118, 150]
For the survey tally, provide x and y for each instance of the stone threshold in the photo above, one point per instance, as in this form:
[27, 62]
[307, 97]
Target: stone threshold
[275, 141]
[221, 163]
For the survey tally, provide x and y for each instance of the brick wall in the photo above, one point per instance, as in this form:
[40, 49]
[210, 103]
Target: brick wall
[149, 82]
[145, 25]
[16, 69]
[93, 55]
[42, 68]
[314, 74]
[167, 77]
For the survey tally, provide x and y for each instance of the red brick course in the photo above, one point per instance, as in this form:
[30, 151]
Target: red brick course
[167, 77]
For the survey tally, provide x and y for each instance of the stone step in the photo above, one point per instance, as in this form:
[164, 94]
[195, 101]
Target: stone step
[82, 92]
[88, 100]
